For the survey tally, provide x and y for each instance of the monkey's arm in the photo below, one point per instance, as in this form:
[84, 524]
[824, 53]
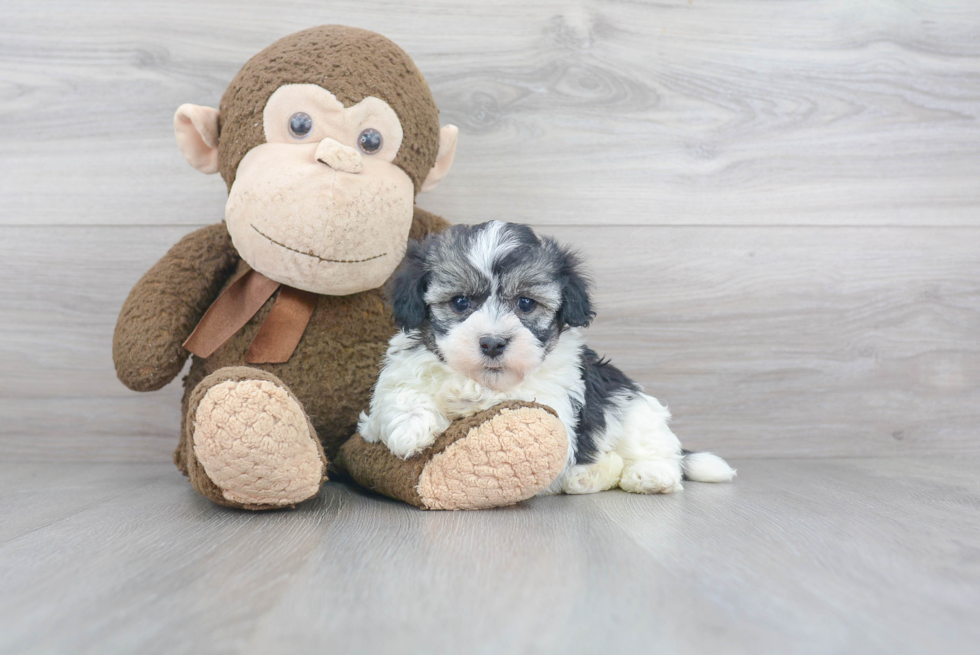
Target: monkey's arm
[165, 306]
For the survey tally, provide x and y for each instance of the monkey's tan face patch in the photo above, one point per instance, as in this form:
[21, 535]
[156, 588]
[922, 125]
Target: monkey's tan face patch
[320, 206]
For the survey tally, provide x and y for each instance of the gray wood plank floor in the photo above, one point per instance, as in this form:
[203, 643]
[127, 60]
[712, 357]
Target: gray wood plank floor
[796, 556]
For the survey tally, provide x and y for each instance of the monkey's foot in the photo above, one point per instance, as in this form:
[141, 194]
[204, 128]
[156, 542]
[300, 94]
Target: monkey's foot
[254, 443]
[498, 457]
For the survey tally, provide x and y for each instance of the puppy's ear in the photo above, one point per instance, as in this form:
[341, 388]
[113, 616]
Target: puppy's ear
[407, 288]
[576, 305]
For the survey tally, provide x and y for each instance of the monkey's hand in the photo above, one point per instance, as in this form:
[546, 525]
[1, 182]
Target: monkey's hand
[165, 306]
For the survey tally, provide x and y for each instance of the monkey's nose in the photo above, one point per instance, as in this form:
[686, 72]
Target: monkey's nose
[492, 345]
[338, 156]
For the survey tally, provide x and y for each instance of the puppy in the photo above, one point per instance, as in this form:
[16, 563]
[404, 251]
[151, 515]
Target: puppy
[492, 312]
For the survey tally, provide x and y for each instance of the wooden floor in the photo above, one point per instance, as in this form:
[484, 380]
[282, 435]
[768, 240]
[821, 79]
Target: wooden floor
[796, 556]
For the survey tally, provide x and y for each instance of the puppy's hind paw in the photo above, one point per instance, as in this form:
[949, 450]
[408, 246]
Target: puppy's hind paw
[601, 475]
[652, 477]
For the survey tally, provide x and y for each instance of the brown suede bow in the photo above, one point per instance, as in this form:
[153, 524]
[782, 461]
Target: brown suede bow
[280, 332]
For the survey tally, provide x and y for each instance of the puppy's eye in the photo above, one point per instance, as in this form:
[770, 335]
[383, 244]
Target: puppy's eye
[526, 304]
[370, 141]
[461, 303]
[300, 125]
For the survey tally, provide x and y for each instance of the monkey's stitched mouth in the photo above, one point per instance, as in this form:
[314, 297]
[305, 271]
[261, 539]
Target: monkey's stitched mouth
[315, 256]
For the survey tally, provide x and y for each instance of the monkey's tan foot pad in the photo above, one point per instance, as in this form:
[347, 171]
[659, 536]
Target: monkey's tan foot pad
[256, 445]
[507, 459]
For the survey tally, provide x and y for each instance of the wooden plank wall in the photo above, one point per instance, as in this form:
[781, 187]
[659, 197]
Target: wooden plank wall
[780, 200]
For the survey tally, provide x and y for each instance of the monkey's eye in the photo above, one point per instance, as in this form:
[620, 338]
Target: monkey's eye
[300, 125]
[461, 303]
[369, 141]
[526, 304]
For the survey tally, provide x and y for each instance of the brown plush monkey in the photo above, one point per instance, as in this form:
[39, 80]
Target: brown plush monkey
[324, 139]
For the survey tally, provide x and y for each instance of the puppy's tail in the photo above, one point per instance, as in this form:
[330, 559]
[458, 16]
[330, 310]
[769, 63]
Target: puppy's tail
[706, 467]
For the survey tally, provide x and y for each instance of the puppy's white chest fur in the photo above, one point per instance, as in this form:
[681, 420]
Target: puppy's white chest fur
[417, 395]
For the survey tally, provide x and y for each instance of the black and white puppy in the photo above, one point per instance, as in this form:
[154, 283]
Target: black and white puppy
[492, 312]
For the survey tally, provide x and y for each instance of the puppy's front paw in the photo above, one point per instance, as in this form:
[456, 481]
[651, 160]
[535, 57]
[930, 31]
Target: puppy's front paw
[414, 431]
[652, 477]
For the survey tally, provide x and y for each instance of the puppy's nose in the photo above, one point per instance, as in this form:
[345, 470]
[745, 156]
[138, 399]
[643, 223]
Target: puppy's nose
[492, 345]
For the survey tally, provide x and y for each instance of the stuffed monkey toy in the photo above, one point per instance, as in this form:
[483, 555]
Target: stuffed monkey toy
[324, 139]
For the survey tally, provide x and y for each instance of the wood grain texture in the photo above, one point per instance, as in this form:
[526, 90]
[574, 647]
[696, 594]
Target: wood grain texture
[40, 495]
[780, 204]
[794, 557]
[764, 341]
[571, 113]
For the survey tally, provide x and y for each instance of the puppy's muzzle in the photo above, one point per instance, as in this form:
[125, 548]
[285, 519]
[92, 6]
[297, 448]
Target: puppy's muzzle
[492, 346]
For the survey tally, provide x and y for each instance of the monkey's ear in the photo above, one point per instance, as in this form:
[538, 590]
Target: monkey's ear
[407, 289]
[444, 160]
[196, 128]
